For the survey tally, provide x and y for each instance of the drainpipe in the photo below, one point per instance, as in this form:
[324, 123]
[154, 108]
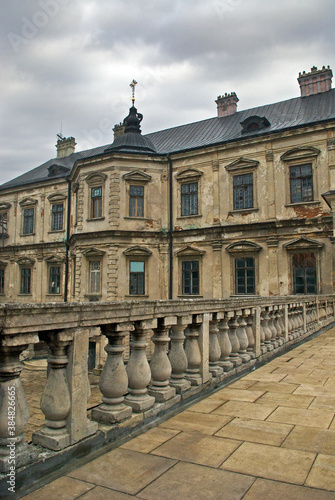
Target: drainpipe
[67, 246]
[170, 228]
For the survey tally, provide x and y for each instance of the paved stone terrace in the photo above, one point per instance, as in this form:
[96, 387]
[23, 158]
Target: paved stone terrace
[270, 435]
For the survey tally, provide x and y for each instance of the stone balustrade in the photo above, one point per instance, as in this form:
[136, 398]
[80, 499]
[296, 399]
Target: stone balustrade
[198, 344]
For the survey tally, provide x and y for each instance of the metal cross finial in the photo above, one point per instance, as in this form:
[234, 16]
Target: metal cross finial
[132, 85]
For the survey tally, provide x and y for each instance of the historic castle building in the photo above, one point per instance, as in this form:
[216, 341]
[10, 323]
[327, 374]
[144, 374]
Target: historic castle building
[232, 205]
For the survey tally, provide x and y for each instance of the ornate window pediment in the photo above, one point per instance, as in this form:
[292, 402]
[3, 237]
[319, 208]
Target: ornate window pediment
[5, 206]
[242, 164]
[54, 259]
[137, 176]
[189, 174]
[54, 198]
[254, 123]
[189, 251]
[93, 252]
[137, 251]
[25, 261]
[300, 153]
[243, 246]
[96, 178]
[27, 202]
[303, 244]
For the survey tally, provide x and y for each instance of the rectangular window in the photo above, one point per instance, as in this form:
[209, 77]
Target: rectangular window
[301, 183]
[96, 202]
[95, 277]
[57, 217]
[54, 279]
[245, 276]
[26, 280]
[243, 191]
[2, 281]
[136, 201]
[136, 278]
[3, 223]
[28, 221]
[304, 273]
[190, 277]
[189, 199]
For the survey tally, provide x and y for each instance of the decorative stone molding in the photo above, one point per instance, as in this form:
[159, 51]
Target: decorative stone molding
[331, 144]
[242, 164]
[302, 244]
[188, 174]
[300, 152]
[54, 198]
[27, 202]
[243, 246]
[137, 251]
[93, 252]
[189, 251]
[137, 176]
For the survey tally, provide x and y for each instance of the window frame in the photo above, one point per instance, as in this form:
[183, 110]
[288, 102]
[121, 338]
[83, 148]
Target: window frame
[188, 177]
[245, 186]
[22, 286]
[293, 275]
[241, 167]
[301, 179]
[2, 280]
[131, 197]
[96, 180]
[191, 271]
[99, 273]
[137, 274]
[50, 267]
[53, 220]
[136, 179]
[298, 157]
[25, 232]
[189, 197]
[245, 269]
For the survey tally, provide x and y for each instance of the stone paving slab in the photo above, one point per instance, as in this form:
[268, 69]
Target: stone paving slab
[267, 436]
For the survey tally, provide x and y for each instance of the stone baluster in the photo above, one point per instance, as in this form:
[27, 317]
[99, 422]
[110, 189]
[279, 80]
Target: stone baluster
[160, 364]
[242, 336]
[224, 341]
[113, 382]
[272, 327]
[177, 355]
[214, 348]
[250, 332]
[235, 344]
[14, 409]
[290, 323]
[263, 347]
[266, 330]
[56, 398]
[279, 325]
[138, 369]
[193, 354]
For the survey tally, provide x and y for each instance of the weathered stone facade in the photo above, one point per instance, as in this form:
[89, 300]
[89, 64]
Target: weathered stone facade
[130, 226]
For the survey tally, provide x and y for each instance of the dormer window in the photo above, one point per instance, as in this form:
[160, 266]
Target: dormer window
[254, 123]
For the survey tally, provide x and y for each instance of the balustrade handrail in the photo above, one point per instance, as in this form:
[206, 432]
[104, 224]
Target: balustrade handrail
[27, 318]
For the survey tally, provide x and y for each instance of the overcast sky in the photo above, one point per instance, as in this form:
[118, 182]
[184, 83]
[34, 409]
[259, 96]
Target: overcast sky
[71, 62]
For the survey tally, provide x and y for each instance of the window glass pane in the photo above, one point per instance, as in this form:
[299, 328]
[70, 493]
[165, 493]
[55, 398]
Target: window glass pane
[28, 221]
[136, 201]
[136, 267]
[304, 273]
[25, 280]
[95, 277]
[57, 217]
[2, 280]
[189, 199]
[243, 191]
[190, 277]
[54, 283]
[245, 275]
[301, 183]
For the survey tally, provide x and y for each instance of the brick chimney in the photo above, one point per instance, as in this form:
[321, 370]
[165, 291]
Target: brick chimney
[318, 80]
[118, 130]
[227, 104]
[65, 146]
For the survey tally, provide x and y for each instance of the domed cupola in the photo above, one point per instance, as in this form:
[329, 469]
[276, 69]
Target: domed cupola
[132, 141]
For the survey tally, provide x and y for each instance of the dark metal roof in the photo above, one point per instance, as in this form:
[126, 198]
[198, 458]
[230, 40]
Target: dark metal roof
[293, 113]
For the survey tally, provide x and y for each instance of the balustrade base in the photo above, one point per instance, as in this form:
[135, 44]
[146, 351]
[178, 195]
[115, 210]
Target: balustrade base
[236, 360]
[24, 455]
[181, 385]
[226, 365]
[251, 354]
[161, 407]
[51, 440]
[245, 357]
[107, 415]
[194, 378]
[140, 403]
[163, 394]
[216, 371]
[269, 346]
